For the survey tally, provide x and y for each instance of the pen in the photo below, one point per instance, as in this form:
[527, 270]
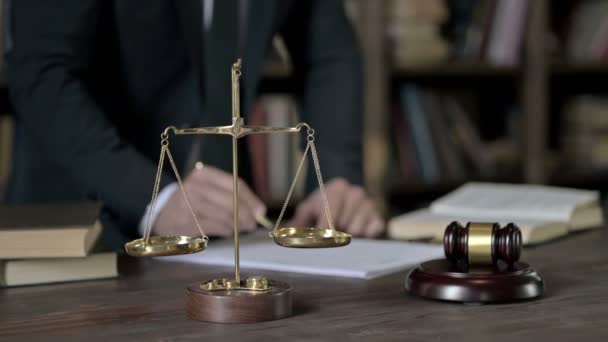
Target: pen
[262, 220]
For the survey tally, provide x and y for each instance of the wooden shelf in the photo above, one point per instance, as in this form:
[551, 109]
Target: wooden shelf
[578, 69]
[480, 70]
[6, 106]
[593, 179]
[276, 71]
[457, 70]
[405, 197]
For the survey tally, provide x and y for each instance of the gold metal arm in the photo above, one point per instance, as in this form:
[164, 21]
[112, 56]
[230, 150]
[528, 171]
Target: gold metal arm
[236, 130]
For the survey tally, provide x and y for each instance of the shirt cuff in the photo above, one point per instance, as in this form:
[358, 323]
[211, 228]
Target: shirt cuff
[163, 197]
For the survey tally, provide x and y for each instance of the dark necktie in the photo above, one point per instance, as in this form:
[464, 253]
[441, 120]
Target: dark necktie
[220, 53]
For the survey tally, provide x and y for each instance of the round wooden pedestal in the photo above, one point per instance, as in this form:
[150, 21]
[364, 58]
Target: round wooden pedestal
[438, 279]
[239, 306]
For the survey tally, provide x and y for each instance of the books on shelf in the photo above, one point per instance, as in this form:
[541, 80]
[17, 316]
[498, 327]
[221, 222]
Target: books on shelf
[413, 30]
[584, 133]
[52, 243]
[275, 156]
[587, 36]
[6, 142]
[488, 30]
[415, 10]
[507, 33]
[258, 149]
[542, 212]
[423, 33]
[420, 130]
[436, 140]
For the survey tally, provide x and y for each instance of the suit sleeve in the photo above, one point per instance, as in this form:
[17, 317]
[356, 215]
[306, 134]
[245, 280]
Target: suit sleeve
[50, 58]
[324, 52]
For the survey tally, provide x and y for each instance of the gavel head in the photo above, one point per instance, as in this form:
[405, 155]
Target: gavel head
[479, 244]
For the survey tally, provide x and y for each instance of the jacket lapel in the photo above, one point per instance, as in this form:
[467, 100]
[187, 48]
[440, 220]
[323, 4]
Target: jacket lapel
[260, 27]
[190, 16]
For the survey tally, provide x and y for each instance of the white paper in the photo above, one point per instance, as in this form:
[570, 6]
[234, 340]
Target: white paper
[362, 258]
[532, 202]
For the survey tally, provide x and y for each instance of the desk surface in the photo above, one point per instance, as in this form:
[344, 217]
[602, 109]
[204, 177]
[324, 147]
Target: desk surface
[147, 304]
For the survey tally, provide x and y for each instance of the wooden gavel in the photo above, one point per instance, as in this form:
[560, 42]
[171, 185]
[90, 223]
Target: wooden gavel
[482, 244]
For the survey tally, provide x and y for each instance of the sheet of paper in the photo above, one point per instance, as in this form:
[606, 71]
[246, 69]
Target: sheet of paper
[532, 202]
[362, 258]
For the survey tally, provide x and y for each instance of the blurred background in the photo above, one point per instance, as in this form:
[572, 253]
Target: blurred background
[455, 91]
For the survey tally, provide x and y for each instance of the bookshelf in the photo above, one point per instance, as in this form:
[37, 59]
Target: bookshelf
[539, 85]
[376, 96]
[6, 134]
[455, 70]
[588, 69]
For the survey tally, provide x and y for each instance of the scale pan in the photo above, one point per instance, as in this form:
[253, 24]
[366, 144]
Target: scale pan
[165, 245]
[310, 237]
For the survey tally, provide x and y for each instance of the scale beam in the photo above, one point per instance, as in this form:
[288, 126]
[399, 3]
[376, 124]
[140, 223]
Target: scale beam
[236, 130]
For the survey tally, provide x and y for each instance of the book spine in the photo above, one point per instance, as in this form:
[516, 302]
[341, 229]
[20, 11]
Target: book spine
[280, 111]
[423, 141]
[507, 32]
[258, 149]
[406, 151]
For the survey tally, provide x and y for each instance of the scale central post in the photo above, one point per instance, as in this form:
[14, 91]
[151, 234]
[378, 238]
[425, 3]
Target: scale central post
[236, 120]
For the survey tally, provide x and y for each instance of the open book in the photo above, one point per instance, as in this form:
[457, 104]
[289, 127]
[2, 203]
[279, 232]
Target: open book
[542, 212]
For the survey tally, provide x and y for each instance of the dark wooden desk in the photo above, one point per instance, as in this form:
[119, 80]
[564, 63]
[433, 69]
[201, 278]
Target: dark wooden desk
[146, 304]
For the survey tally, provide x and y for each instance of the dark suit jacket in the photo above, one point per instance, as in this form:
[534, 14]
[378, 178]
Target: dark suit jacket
[94, 83]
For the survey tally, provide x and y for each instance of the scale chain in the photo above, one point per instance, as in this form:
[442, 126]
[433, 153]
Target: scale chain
[291, 189]
[313, 151]
[148, 227]
[315, 159]
[166, 151]
[186, 198]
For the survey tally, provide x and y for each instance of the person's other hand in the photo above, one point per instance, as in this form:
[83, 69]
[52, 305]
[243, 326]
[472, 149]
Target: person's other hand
[210, 192]
[351, 208]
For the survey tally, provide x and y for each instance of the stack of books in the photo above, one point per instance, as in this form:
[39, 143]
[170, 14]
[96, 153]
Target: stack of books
[488, 30]
[52, 243]
[275, 156]
[414, 32]
[587, 32]
[584, 134]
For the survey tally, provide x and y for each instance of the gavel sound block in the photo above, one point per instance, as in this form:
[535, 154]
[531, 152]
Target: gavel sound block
[481, 265]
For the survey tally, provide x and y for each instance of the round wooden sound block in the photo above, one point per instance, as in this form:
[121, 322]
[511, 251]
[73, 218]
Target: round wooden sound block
[440, 279]
[239, 306]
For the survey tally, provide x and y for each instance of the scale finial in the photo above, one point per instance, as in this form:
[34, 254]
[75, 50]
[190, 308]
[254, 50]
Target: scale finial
[236, 89]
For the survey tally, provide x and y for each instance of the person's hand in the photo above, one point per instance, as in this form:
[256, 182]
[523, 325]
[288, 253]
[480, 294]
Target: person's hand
[351, 208]
[210, 192]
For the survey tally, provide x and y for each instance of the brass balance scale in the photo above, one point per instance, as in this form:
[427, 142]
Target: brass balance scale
[236, 300]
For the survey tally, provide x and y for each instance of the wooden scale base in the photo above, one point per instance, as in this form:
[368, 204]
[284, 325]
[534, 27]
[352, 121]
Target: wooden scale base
[440, 279]
[239, 305]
